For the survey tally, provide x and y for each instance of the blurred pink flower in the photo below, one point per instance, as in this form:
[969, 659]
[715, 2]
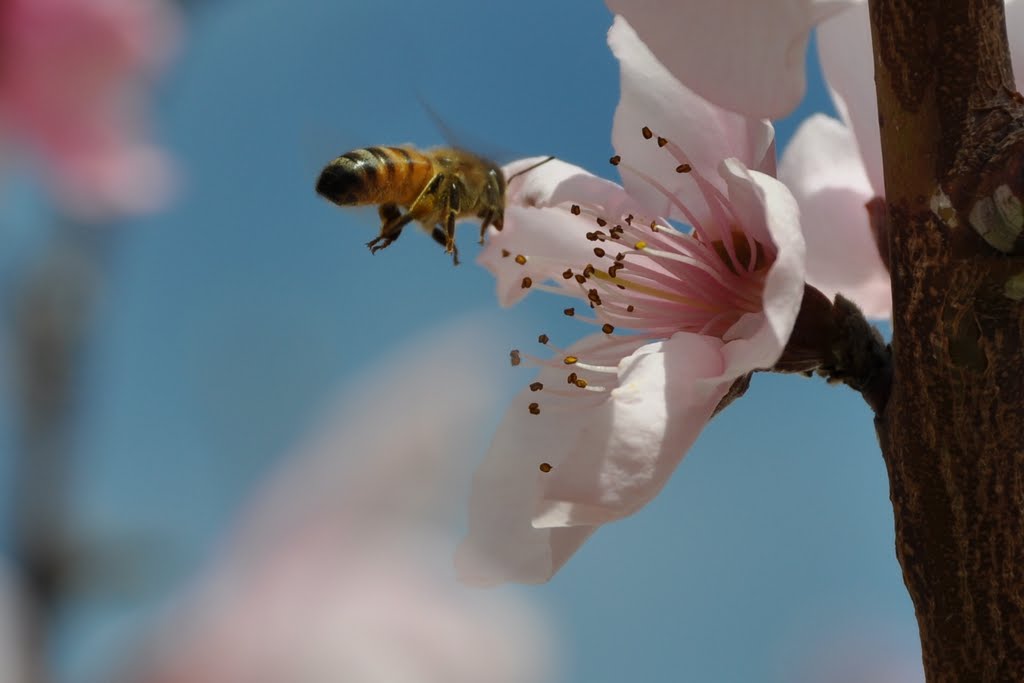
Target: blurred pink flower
[73, 76]
[608, 419]
[342, 569]
[835, 167]
[744, 55]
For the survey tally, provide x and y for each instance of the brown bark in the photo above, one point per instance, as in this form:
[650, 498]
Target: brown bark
[952, 432]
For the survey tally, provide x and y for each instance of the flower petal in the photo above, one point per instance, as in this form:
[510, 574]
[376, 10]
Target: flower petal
[501, 543]
[769, 213]
[844, 44]
[74, 88]
[653, 98]
[823, 169]
[744, 55]
[622, 455]
[551, 239]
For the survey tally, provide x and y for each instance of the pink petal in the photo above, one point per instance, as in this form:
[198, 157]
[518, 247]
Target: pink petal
[744, 55]
[623, 455]
[501, 543]
[73, 91]
[766, 209]
[652, 97]
[551, 239]
[824, 170]
[844, 44]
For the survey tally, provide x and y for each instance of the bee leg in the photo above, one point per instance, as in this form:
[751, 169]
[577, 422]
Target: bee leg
[392, 222]
[437, 207]
[439, 236]
[487, 221]
[453, 206]
[493, 214]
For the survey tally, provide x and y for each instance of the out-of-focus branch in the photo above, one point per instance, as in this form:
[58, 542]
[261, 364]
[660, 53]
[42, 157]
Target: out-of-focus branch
[952, 432]
[50, 315]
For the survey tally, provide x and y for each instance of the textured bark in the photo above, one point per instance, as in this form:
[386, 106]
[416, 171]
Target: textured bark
[952, 432]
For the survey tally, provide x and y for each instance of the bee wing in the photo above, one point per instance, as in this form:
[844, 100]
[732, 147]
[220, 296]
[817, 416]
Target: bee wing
[462, 140]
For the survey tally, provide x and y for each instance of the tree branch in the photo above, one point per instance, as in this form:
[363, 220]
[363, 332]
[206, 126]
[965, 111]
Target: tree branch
[952, 432]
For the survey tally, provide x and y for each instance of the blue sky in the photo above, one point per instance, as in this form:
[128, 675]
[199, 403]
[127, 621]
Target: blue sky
[226, 323]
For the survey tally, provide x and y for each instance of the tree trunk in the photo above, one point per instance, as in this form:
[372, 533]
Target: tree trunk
[952, 432]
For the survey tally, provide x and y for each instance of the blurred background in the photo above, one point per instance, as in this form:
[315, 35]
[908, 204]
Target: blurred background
[176, 333]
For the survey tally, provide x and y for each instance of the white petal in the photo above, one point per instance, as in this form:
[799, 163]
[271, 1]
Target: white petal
[765, 206]
[823, 169]
[501, 543]
[744, 55]
[844, 43]
[652, 97]
[621, 456]
[551, 239]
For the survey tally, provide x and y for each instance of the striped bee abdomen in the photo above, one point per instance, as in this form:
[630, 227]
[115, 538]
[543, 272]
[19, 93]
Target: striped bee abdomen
[376, 175]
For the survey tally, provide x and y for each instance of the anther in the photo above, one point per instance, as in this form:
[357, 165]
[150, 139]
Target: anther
[575, 209]
[640, 245]
[514, 357]
[594, 297]
[647, 133]
[545, 467]
[602, 222]
[534, 409]
[589, 270]
[683, 168]
[630, 308]
[521, 260]
[607, 329]
[570, 360]
[527, 283]
[505, 253]
[629, 219]
[570, 312]
[592, 236]
[567, 274]
[581, 383]
[662, 141]
[571, 379]
[614, 161]
[598, 252]
[543, 339]
[536, 386]
[580, 279]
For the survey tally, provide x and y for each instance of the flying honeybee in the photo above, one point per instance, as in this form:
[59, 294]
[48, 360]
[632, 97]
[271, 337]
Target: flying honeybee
[435, 187]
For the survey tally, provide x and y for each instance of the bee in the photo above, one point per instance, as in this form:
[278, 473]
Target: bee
[435, 187]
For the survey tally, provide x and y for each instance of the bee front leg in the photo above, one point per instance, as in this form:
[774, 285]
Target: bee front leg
[494, 212]
[392, 222]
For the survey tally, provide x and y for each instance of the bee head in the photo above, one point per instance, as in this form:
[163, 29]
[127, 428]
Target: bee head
[340, 183]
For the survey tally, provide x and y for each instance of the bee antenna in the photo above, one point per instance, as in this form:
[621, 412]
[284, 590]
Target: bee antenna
[528, 169]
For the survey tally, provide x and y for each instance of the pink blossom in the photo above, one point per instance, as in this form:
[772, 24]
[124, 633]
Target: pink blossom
[342, 568]
[72, 90]
[608, 419]
[744, 55]
[834, 167]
